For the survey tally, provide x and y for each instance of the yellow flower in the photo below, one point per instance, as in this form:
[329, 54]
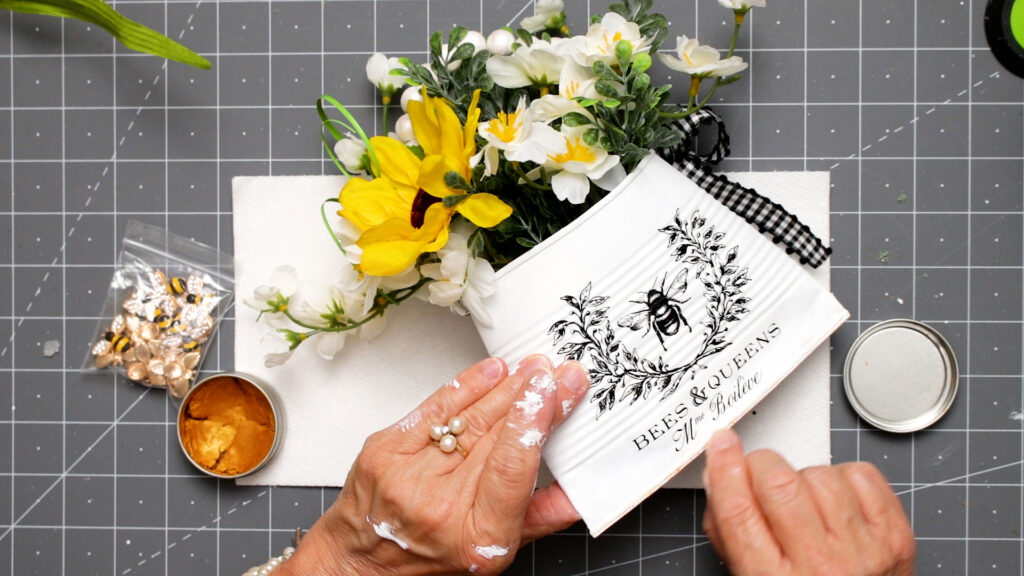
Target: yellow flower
[400, 212]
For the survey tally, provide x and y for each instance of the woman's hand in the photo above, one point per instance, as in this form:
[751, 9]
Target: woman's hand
[408, 508]
[765, 518]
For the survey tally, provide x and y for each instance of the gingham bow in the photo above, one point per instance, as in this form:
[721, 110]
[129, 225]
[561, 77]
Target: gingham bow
[768, 217]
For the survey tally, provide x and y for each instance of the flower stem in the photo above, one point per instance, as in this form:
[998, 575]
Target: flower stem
[385, 115]
[735, 35]
[327, 224]
[394, 297]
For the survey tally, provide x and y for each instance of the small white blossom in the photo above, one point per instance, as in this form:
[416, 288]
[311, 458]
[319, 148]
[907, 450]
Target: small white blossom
[537, 65]
[578, 166]
[379, 71]
[547, 14]
[461, 280]
[601, 38]
[742, 5]
[520, 137]
[277, 347]
[350, 151]
[284, 282]
[499, 42]
[700, 60]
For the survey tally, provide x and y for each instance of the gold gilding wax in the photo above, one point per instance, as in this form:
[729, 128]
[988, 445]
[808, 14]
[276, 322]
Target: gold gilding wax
[227, 426]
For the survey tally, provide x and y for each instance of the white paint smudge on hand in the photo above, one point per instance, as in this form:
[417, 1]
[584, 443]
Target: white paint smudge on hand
[490, 552]
[567, 405]
[453, 383]
[542, 382]
[531, 438]
[387, 532]
[531, 403]
[473, 568]
[1018, 416]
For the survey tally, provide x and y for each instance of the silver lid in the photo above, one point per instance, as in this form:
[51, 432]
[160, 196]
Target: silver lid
[901, 375]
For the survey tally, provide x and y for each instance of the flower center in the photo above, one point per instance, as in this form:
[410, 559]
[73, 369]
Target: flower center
[420, 203]
[504, 126]
[575, 150]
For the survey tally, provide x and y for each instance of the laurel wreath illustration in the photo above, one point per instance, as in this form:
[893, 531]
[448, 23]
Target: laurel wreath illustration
[618, 372]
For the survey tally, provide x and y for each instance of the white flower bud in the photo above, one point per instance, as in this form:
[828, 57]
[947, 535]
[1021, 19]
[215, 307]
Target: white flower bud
[411, 94]
[476, 39]
[350, 151]
[403, 128]
[499, 42]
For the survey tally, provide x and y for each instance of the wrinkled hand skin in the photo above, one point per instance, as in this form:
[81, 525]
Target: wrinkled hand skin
[444, 507]
[764, 518]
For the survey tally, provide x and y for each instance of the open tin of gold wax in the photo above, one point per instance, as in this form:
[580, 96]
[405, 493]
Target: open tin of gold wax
[230, 425]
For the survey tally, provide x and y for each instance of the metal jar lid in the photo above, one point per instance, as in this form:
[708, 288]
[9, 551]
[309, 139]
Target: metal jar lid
[901, 375]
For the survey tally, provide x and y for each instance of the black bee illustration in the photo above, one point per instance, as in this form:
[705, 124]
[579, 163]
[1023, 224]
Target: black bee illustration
[661, 310]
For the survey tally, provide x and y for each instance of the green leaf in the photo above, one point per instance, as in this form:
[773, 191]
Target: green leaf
[456, 36]
[611, 103]
[623, 52]
[642, 62]
[131, 34]
[453, 200]
[641, 82]
[575, 119]
[729, 80]
[525, 37]
[455, 181]
[462, 52]
[607, 89]
[435, 43]
[591, 136]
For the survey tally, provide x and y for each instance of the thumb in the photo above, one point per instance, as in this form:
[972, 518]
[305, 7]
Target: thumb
[548, 512]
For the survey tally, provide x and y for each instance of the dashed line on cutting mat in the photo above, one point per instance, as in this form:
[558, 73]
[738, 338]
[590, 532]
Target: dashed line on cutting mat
[913, 121]
[95, 187]
[197, 530]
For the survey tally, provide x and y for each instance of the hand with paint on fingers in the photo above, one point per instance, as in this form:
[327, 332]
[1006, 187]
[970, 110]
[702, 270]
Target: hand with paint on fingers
[765, 518]
[408, 508]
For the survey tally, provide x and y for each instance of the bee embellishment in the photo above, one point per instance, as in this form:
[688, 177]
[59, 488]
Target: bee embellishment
[120, 343]
[177, 285]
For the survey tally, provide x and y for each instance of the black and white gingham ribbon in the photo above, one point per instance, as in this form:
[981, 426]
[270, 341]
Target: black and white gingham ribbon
[768, 217]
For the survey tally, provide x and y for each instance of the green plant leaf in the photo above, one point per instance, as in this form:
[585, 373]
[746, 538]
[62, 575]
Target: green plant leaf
[131, 34]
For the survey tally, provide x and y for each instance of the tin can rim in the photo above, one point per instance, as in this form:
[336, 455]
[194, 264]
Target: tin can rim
[938, 410]
[275, 410]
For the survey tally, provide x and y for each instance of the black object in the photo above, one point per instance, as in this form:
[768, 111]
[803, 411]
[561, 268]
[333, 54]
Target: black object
[999, 30]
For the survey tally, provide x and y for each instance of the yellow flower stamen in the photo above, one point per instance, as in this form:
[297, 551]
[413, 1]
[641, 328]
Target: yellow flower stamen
[575, 151]
[504, 126]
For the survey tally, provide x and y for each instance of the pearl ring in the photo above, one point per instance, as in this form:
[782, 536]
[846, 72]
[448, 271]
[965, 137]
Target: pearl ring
[444, 437]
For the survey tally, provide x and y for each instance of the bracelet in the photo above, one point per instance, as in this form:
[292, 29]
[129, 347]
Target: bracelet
[271, 565]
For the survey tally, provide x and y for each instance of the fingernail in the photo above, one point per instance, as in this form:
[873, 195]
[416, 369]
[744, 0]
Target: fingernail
[722, 440]
[492, 368]
[530, 364]
[574, 377]
[541, 380]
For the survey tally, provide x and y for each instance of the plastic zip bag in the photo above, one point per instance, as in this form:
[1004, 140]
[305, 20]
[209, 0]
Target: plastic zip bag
[165, 302]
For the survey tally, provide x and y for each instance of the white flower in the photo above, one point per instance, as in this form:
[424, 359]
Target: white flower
[702, 61]
[499, 42]
[411, 94]
[537, 65]
[350, 151]
[742, 5]
[546, 14]
[378, 71]
[520, 137]
[403, 129]
[580, 164]
[284, 282]
[461, 281]
[601, 38]
[278, 349]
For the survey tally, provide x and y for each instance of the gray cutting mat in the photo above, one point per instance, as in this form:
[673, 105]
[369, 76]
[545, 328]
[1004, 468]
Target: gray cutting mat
[902, 101]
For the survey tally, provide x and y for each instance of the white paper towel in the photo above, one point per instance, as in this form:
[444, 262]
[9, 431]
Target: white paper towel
[332, 406]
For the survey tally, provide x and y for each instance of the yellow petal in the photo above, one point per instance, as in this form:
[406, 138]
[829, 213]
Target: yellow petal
[397, 162]
[432, 174]
[425, 124]
[435, 224]
[389, 258]
[370, 203]
[472, 120]
[483, 209]
[453, 144]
